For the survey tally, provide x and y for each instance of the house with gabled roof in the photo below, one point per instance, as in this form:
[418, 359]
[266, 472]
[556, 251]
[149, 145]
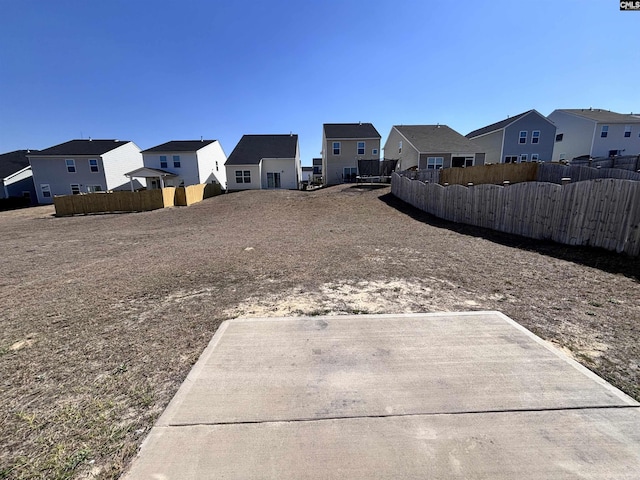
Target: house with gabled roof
[343, 144]
[526, 137]
[82, 166]
[183, 163]
[16, 178]
[594, 133]
[427, 147]
[265, 162]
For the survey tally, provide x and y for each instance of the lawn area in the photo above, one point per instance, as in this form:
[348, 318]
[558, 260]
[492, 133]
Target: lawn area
[103, 316]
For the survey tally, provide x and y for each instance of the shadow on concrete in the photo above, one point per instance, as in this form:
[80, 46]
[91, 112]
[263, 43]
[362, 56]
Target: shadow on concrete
[605, 260]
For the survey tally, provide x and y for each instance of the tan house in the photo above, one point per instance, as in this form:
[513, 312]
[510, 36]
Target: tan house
[427, 147]
[343, 144]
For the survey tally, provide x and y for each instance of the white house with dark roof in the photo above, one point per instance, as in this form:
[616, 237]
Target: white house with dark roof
[427, 147]
[343, 144]
[594, 133]
[526, 137]
[264, 162]
[182, 163]
[81, 166]
[16, 178]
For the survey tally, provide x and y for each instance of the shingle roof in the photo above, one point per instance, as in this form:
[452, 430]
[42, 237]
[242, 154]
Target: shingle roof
[253, 148]
[496, 126]
[604, 116]
[12, 162]
[179, 146]
[83, 147]
[350, 130]
[437, 139]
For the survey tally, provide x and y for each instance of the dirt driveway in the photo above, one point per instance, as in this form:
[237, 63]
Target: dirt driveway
[102, 316]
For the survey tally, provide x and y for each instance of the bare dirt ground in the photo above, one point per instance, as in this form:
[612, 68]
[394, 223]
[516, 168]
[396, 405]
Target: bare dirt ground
[103, 316]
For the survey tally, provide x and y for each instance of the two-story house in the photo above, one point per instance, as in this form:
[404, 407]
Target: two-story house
[317, 170]
[81, 166]
[189, 162]
[343, 144]
[427, 147]
[527, 137]
[594, 133]
[265, 161]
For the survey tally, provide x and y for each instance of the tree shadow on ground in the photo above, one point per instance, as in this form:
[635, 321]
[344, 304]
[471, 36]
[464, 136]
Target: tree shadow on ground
[605, 260]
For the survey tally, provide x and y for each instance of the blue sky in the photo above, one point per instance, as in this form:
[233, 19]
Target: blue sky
[154, 71]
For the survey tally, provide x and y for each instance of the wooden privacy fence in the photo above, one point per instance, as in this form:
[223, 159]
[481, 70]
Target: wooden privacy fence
[601, 213]
[496, 174]
[555, 172]
[123, 201]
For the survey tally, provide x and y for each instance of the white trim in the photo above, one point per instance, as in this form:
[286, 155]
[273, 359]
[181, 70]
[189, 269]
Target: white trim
[520, 137]
[333, 148]
[9, 177]
[364, 147]
[75, 167]
[533, 136]
[78, 188]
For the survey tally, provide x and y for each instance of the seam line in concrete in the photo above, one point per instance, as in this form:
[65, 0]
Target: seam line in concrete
[356, 417]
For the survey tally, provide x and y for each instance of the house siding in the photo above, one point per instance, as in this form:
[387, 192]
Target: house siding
[409, 156]
[15, 184]
[255, 177]
[207, 158]
[577, 135]
[53, 171]
[333, 165]
[119, 161]
[616, 140]
[286, 167]
[492, 145]
[187, 173]
[529, 123]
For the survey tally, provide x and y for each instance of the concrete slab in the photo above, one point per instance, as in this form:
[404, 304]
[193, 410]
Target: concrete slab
[390, 396]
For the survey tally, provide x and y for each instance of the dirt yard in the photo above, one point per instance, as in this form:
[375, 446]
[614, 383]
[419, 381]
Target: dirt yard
[103, 316]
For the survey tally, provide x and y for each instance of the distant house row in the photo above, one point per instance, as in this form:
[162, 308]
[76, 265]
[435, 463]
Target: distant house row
[273, 161]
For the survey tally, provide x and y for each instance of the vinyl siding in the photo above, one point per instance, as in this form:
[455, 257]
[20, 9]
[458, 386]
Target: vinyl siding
[491, 143]
[255, 177]
[616, 140]
[119, 161]
[287, 169]
[207, 158]
[577, 135]
[187, 172]
[17, 183]
[529, 123]
[333, 165]
[409, 156]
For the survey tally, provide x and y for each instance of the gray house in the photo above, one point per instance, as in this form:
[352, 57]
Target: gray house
[527, 137]
[427, 147]
[595, 133]
[16, 179]
[264, 161]
[343, 144]
[83, 166]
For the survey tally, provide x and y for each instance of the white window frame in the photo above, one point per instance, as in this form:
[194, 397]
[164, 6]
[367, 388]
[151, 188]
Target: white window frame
[363, 149]
[524, 157]
[520, 137]
[535, 138]
[535, 157]
[561, 137]
[374, 151]
[94, 188]
[627, 131]
[163, 160]
[604, 131]
[435, 163]
[334, 148]
[45, 189]
[176, 161]
[400, 146]
[469, 161]
[92, 166]
[75, 189]
[70, 165]
[512, 158]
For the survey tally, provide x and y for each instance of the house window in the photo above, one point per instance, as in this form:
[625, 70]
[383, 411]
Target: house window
[559, 137]
[317, 170]
[349, 174]
[71, 165]
[216, 165]
[627, 131]
[163, 161]
[360, 148]
[524, 157]
[94, 188]
[523, 137]
[176, 161]
[535, 136]
[336, 148]
[93, 165]
[435, 163]
[243, 176]
[400, 146]
[605, 131]
[535, 157]
[468, 162]
[46, 190]
[75, 189]
[374, 151]
[511, 159]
